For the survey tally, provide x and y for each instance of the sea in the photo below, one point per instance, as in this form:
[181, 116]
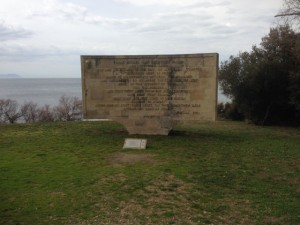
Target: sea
[47, 91]
[41, 91]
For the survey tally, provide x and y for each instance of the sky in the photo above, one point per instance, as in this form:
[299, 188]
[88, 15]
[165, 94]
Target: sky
[45, 38]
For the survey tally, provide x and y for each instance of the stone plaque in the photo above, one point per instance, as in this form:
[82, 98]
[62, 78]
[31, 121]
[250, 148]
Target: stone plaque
[150, 94]
[135, 143]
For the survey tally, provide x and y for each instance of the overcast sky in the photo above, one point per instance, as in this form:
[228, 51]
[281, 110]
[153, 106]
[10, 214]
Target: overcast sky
[45, 38]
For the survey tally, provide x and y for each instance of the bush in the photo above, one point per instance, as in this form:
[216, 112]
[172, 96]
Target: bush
[9, 112]
[69, 108]
[229, 111]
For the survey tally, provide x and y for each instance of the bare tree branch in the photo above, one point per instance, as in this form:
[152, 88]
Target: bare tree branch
[69, 108]
[288, 14]
[29, 112]
[9, 111]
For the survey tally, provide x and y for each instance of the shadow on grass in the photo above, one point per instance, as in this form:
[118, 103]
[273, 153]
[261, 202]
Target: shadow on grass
[217, 136]
[115, 131]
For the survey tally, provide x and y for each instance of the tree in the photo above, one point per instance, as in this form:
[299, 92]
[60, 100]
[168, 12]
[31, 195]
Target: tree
[259, 82]
[229, 111]
[29, 112]
[2, 120]
[291, 8]
[221, 110]
[290, 12]
[294, 86]
[9, 111]
[45, 114]
[69, 108]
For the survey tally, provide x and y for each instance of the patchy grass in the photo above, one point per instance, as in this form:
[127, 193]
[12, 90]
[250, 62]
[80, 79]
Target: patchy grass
[122, 158]
[203, 173]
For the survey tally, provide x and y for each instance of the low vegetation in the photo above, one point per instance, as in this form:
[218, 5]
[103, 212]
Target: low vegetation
[203, 173]
[68, 109]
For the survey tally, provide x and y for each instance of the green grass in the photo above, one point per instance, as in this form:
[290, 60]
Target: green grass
[203, 173]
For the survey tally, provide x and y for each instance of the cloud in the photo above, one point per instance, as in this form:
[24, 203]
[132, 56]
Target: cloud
[110, 22]
[10, 51]
[65, 29]
[52, 8]
[159, 2]
[11, 33]
[186, 24]
[154, 33]
[195, 16]
[76, 13]
[177, 3]
[17, 51]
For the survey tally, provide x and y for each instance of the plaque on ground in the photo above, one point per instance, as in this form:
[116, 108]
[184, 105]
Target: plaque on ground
[150, 94]
[135, 143]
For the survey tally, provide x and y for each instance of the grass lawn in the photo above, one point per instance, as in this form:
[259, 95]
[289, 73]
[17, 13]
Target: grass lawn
[76, 173]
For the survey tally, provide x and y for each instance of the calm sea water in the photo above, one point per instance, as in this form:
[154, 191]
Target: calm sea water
[46, 91]
[40, 91]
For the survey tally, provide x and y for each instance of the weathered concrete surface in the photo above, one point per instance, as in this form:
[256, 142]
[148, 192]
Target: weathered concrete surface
[150, 94]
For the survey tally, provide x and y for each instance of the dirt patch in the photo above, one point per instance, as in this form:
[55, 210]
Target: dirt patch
[273, 220]
[164, 201]
[119, 159]
[169, 200]
[236, 212]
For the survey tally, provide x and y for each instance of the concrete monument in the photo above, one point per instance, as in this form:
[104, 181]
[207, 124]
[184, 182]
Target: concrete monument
[150, 94]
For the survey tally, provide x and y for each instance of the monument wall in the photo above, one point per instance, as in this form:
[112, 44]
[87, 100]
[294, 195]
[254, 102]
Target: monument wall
[149, 94]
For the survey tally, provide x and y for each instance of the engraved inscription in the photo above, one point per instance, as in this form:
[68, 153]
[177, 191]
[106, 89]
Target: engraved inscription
[154, 92]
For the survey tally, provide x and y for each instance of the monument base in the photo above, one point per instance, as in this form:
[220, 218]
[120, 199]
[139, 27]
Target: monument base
[158, 126]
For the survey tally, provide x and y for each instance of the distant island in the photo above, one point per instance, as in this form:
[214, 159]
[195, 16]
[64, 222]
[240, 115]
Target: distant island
[10, 76]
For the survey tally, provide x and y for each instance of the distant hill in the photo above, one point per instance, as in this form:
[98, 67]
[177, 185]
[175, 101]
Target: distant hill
[10, 76]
